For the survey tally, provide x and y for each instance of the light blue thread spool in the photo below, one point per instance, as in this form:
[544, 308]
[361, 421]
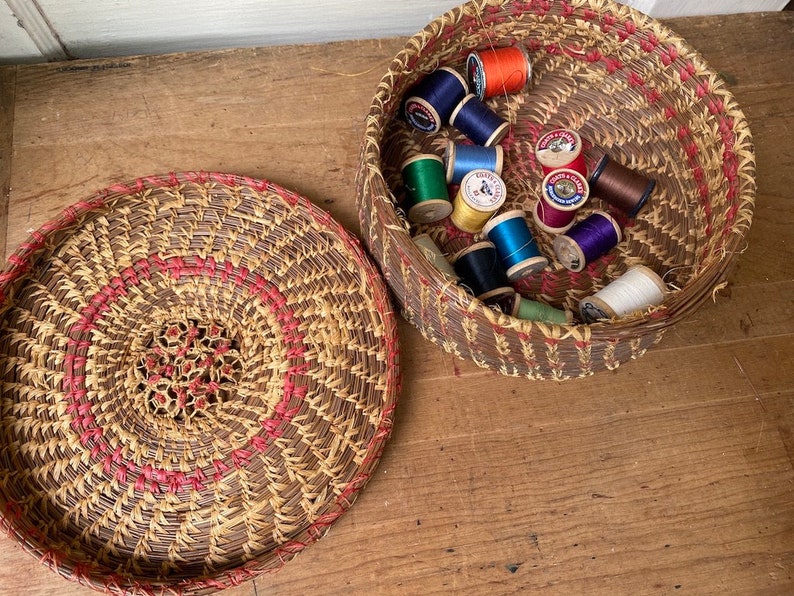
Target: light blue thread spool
[460, 159]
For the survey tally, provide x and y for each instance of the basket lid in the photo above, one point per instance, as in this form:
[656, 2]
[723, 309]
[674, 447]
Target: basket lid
[198, 372]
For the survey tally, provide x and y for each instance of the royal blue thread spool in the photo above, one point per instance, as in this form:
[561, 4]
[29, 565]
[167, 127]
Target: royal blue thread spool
[430, 103]
[482, 273]
[588, 240]
[515, 244]
[479, 122]
[460, 159]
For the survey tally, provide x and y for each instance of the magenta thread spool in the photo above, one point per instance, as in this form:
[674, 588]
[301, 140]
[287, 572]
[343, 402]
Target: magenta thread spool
[635, 291]
[588, 240]
[515, 245]
[479, 122]
[621, 187]
[561, 149]
[460, 159]
[430, 103]
[482, 274]
[563, 192]
[426, 194]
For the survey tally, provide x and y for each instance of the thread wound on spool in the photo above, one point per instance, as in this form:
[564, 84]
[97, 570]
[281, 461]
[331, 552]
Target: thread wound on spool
[431, 101]
[532, 310]
[587, 240]
[479, 122]
[460, 159]
[636, 290]
[620, 186]
[515, 244]
[433, 254]
[482, 274]
[480, 195]
[497, 71]
[426, 194]
[563, 192]
[561, 149]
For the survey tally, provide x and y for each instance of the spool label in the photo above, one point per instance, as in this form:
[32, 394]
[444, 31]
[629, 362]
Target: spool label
[565, 188]
[420, 116]
[483, 189]
[476, 74]
[559, 141]
[591, 312]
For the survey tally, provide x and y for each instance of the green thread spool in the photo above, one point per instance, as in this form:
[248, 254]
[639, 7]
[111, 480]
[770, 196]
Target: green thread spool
[426, 193]
[532, 310]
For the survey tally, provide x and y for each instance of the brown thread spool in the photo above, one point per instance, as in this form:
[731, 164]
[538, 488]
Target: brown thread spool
[621, 187]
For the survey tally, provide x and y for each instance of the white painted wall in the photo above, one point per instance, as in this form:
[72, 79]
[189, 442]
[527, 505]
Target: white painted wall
[56, 29]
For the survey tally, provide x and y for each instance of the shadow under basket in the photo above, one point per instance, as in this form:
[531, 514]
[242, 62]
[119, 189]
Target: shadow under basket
[632, 89]
[199, 373]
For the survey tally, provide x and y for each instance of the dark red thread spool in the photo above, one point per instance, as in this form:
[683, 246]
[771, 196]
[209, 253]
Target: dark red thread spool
[620, 187]
[561, 149]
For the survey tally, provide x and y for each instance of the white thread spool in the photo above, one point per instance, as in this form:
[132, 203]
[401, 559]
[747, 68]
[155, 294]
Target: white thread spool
[637, 289]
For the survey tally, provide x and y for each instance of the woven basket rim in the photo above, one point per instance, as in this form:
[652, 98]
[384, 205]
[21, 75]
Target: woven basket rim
[709, 275]
[383, 395]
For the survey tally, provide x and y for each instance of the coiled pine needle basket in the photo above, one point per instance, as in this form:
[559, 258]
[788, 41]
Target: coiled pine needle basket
[198, 375]
[632, 88]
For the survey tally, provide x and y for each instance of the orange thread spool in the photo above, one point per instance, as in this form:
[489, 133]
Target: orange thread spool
[497, 71]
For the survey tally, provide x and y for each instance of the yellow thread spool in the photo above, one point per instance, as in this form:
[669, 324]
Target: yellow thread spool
[480, 195]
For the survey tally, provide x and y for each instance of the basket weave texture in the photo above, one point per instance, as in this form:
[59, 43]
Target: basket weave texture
[631, 88]
[199, 373]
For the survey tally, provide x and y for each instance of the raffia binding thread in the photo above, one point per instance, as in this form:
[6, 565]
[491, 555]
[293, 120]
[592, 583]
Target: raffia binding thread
[498, 71]
[460, 159]
[426, 193]
[480, 195]
[563, 192]
[636, 290]
[561, 149]
[431, 101]
[482, 274]
[478, 122]
[587, 240]
[621, 187]
[515, 244]
[432, 253]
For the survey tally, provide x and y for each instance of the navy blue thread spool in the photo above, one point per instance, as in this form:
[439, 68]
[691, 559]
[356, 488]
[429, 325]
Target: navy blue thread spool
[430, 102]
[515, 244]
[587, 240]
[479, 122]
[460, 159]
[621, 187]
[482, 274]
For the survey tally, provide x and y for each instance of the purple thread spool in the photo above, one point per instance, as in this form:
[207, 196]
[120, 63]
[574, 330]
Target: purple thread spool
[479, 122]
[588, 240]
[430, 103]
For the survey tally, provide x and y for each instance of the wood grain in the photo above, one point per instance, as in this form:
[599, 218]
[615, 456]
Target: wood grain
[671, 475]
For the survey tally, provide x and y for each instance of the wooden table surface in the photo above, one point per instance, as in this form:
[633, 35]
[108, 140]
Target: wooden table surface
[671, 475]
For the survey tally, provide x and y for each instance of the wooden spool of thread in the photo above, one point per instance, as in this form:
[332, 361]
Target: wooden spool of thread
[621, 187]
[532, 310]
[515, 244]
[480, 195]
[426, 194]
[432, 253]
[561, 149]
[479, 122]
[482, 274]
[430, 102]
[587, 240]
[498, 71]
[460, 159]
[563, 192]
[636, 290]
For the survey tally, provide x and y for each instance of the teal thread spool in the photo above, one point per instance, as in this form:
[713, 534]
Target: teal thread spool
[426, 194]
[515, 244]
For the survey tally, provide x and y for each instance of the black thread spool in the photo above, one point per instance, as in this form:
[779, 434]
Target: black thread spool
[621, 187]
[481, 273]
